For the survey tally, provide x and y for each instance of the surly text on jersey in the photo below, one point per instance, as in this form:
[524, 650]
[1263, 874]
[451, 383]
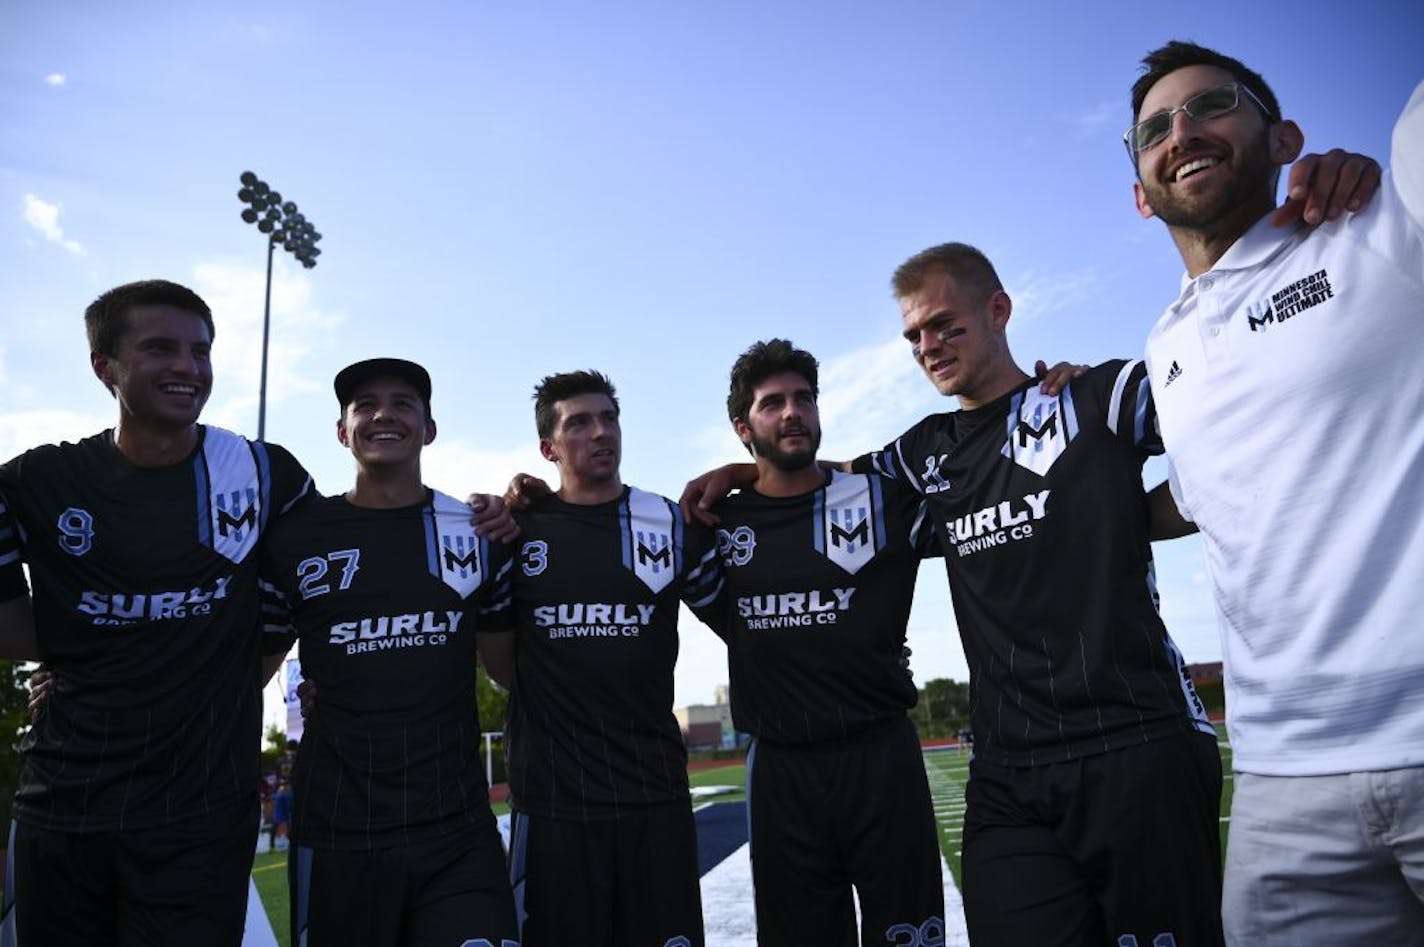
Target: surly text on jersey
[118, 608]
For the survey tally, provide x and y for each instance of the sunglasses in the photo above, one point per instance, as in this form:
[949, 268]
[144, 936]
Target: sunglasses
[1212, 103]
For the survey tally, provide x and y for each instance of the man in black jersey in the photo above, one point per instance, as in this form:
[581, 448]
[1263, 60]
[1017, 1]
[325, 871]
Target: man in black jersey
[393, 839]
[820, 571]
[604, 850]
[136, 816]
[1091, 812]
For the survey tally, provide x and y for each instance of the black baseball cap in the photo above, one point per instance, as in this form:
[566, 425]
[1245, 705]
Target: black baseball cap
[355, 375]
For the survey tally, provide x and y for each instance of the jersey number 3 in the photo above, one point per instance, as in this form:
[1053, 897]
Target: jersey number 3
[534, 557]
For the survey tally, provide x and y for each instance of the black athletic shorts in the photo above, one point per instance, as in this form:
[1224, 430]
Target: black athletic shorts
[449, 892]
[1118, 848]
[177, 885]
[631, 881]
[829, 817]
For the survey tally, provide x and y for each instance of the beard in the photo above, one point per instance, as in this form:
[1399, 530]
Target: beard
[1207, 212]
[789, 461]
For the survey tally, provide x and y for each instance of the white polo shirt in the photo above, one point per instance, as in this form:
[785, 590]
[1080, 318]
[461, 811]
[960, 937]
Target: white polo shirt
[1289, 382]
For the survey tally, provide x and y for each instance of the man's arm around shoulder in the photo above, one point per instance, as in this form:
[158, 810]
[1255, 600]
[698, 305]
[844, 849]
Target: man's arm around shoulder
[496, 649]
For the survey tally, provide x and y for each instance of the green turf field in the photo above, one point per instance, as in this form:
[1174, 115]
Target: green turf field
[269, 873]
[733, 774]
[947, 770]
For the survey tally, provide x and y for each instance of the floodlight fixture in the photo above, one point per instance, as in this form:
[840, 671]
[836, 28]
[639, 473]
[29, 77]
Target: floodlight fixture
[279, 220]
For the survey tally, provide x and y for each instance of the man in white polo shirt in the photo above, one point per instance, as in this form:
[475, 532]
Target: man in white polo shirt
[1291, 399]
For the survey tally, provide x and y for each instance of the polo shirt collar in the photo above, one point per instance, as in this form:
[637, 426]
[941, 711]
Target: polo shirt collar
[1256, 247]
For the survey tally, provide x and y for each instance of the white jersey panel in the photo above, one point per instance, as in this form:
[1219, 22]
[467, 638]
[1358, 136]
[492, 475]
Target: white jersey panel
[649, 535]
[235, 496]
[459, 556]
[851, 522]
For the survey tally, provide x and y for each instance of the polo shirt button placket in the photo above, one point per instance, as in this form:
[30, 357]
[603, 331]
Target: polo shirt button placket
[1209, 305]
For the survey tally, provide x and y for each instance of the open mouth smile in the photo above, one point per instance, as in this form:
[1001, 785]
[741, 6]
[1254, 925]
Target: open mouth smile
[1194, 166]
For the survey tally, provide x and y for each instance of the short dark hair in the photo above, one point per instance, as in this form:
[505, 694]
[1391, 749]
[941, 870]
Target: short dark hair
[759, 363]
[1178, 54]
[968, 265]
[106, 319]
[555, 388]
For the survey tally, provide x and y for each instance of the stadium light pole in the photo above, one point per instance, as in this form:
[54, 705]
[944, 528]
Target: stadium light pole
[283, 225]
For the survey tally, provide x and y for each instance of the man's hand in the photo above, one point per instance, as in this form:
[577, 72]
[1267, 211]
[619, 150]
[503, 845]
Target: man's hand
[1055, 379]
[525, 490]
[306, 696]
[41, 685]
[492, 519]
[1322, 187]
[1164, 520]
[495, 650]
[700, 494]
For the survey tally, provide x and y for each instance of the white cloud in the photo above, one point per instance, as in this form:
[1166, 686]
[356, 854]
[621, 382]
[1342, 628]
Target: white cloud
[459, 468]
[870, 396]
[23, 426]
[56, 79]
[43, 217]
[1092, 121]
[21, 430]
[1036, 295]
[235, 294]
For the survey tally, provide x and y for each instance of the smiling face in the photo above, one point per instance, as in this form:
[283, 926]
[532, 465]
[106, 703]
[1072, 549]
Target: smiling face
[587, 441]
[958, 339]
[161, 371]
[1209, 175]
[385, 424]
[783, 424]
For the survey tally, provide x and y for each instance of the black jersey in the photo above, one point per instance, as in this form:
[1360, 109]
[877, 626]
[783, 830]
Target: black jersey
[1039, 506]
[12, 574]
[384, 603]
[146, 606]
[817, 595]
[594, 601]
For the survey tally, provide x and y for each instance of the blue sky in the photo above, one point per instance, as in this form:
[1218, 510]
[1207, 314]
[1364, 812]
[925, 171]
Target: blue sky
[508, 190]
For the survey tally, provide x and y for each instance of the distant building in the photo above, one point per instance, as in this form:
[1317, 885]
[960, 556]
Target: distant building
[706, 726]
[1208, 672]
